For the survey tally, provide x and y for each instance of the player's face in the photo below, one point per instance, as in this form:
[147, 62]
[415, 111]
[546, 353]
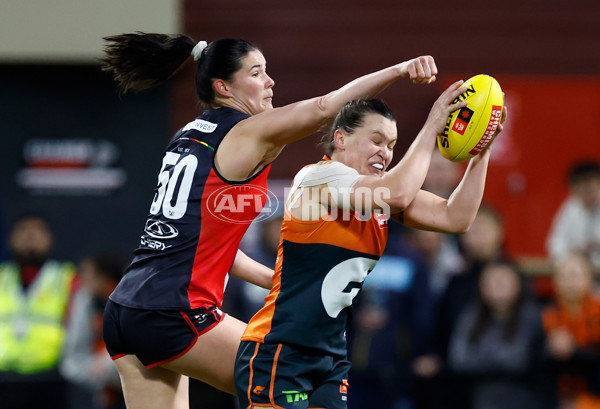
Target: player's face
[370, 148]
[251, 86]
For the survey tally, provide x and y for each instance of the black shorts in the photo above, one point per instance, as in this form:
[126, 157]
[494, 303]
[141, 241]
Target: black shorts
[155, 336]
[283, 376]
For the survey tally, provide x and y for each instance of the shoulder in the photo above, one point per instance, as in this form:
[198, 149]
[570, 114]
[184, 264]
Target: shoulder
[7, 265]
[571, 207]
[324, 172]
[595, 302]
[212, 119]
[467, 317]
[550, 315]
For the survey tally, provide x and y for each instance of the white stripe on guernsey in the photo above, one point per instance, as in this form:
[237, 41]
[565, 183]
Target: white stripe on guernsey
[339, 178]
[297, 180]
[201, 125]
[333, 173]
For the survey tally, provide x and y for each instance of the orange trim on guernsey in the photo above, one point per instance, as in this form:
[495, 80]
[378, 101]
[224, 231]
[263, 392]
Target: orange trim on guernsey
[261, 323]
[273, 372]
[251, 376]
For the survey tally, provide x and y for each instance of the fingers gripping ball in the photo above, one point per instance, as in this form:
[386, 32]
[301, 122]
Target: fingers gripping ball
[470, 129]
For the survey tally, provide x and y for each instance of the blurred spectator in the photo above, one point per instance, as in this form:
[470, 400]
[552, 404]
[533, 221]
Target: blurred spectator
[481, 245]
[86, 363]
[576, 226]
[439, 250]
[392, 327]
[572, 325]
[443, 261]
[34, 297]
[442, 255]
[497, 344]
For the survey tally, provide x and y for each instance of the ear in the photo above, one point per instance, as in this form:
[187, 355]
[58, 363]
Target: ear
[339, 140]
[221, 88]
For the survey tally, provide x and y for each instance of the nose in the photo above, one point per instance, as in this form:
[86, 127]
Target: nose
[387, 155]
[270, 83]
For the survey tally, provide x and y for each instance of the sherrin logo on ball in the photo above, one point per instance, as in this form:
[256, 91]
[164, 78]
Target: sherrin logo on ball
[469, 130]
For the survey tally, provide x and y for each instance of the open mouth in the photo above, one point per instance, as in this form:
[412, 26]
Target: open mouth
[378, 166]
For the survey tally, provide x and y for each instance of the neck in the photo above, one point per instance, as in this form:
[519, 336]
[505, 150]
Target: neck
[337, 156]
[233, 104]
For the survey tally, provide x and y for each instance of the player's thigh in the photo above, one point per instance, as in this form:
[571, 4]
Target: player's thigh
[212, 357]
[332, 391]
[157, 387]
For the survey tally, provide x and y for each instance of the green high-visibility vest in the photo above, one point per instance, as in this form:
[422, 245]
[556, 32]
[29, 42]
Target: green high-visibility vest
[32, 322]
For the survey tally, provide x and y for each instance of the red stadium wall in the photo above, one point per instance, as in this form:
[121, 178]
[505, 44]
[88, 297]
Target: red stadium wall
[553, 121]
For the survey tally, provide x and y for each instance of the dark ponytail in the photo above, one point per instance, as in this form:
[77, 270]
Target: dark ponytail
[139, 61]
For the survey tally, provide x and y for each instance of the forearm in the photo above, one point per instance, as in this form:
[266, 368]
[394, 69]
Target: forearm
[420, 70]
[456, 214]
[406, 178]
[466, 198]
[252, 271]
[365, 87]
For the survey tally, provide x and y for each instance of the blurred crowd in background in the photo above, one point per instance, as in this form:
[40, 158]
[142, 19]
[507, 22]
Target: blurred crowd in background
[443, 321]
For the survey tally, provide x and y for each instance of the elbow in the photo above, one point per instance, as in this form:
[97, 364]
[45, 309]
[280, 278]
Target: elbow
[324, 109]
[461, 226]
[401, 200]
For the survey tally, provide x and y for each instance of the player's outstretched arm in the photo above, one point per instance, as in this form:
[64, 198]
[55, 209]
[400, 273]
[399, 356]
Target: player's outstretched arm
[263, 136]
[292, 122]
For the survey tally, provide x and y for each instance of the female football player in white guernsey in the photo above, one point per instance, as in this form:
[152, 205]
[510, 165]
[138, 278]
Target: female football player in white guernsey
[293, 352]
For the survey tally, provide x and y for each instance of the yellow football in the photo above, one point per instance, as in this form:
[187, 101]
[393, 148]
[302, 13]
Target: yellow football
[472, 128]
